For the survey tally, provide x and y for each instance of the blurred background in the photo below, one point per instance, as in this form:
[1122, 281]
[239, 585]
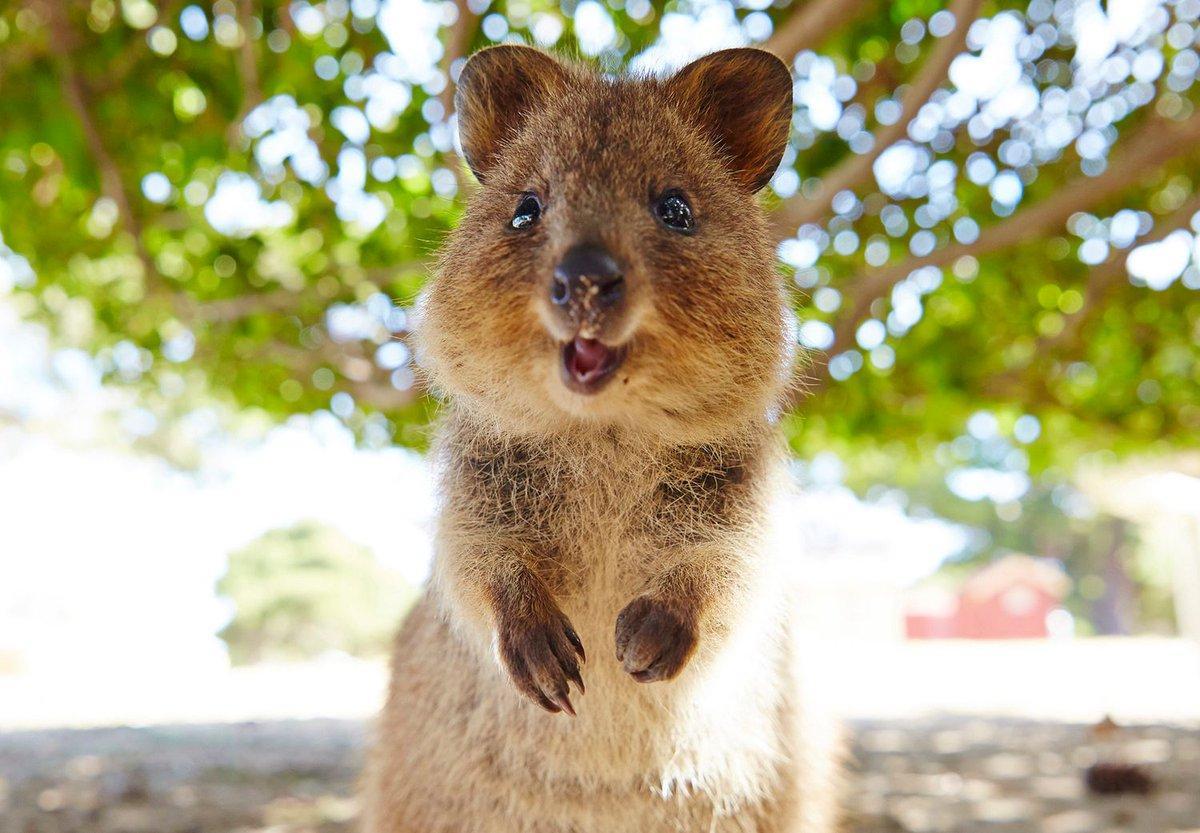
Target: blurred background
[215, 219]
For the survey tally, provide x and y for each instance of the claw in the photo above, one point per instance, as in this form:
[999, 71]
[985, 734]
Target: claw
[575, 642]
[562, 701]
[567, 661]
[547, 704]
[577, 678]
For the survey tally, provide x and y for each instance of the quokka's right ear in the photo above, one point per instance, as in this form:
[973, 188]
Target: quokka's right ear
[498, 88]
[741, 98]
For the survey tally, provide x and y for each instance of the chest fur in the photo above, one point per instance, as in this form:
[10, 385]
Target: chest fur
[593, 507]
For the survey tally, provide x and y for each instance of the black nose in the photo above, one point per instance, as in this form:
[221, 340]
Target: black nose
[588, 276]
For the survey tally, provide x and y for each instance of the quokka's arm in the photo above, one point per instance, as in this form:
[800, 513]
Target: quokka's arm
[689, 601]
[491, 586]
[706, 528]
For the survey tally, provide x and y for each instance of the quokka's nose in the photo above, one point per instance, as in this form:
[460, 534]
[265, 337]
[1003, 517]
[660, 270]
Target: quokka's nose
[587, 278]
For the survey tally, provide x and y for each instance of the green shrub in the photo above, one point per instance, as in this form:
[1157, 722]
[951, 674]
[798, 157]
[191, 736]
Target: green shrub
[302, 591]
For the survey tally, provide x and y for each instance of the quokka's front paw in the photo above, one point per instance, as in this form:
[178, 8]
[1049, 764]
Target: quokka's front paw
[541, 652]
[654, 639]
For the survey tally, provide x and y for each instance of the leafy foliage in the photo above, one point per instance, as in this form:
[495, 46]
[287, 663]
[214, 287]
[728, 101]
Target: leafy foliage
[242, 201]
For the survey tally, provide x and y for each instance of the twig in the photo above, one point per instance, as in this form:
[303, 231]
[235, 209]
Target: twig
[855, 170]
[18, 55]
[458, 39]
[383, 396]
[62, 41]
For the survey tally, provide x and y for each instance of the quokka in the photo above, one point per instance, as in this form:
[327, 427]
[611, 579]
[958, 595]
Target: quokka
[610, 332]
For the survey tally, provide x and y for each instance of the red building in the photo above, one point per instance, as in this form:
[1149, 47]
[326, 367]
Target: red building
[1008, 599]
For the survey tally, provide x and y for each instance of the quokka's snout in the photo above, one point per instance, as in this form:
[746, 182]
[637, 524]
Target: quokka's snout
[588, 288]
[588, 300]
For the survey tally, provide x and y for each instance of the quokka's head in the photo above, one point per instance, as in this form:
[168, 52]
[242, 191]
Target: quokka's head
[614, 268]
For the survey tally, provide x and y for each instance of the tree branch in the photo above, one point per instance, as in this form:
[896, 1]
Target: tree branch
[458, 41]
[360, 377]
[856, 169]
[117, 71]
[228, 310]
[232, 309]
[1102, 279]
[1155, 144]
[383, 396]
[63, 41]
[810, 24]
[252, 94]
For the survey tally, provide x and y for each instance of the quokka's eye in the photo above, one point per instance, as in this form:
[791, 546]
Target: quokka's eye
[529, 209]
[673, 211]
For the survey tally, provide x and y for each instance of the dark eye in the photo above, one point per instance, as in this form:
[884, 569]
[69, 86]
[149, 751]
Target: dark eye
[529, 209]
[673, 210]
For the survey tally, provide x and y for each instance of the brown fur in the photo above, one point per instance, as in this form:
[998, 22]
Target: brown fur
[616, 540]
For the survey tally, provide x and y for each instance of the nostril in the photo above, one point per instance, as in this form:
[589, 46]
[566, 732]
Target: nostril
[611, 290]
[560, 292]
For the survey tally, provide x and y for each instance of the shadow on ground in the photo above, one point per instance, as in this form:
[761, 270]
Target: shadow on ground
[964, 775]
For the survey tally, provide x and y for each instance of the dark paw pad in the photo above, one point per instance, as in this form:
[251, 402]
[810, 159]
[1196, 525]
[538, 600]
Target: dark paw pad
[654, 639]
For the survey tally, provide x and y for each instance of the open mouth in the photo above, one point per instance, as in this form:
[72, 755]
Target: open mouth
[587, 364]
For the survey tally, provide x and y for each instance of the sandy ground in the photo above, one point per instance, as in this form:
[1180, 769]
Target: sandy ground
[960, 774]
[946, 737]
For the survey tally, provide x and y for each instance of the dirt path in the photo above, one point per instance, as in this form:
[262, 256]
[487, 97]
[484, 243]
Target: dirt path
[957, 774]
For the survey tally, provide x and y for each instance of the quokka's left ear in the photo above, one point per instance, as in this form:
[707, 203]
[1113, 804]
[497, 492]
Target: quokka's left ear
[742, 99]
[497, 91]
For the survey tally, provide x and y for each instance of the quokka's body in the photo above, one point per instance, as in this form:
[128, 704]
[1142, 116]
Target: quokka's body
[607, 468]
